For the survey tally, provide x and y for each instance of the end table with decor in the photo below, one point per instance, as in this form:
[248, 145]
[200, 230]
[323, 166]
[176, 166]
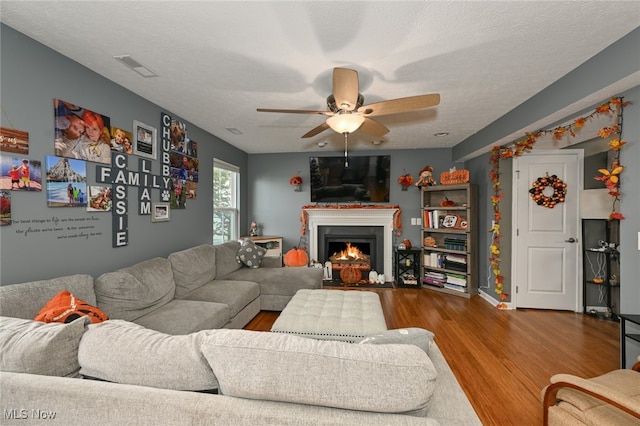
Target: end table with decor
[407, 267]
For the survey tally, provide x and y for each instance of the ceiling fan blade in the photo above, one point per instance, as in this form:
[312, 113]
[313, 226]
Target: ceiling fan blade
[395, 106]
[316, 130]
[295, 111]
[345, 88]
[373, 128]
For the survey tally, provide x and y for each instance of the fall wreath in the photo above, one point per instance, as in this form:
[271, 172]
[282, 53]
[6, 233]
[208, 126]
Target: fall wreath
[544, 182]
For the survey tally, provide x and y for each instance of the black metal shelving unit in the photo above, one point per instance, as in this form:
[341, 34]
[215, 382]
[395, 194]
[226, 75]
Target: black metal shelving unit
[407, 267]
[601, 268]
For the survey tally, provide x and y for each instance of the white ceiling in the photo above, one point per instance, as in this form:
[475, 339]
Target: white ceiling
[219, 61]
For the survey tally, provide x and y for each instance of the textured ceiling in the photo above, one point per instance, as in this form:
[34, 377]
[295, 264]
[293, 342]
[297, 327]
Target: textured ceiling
[219, 61]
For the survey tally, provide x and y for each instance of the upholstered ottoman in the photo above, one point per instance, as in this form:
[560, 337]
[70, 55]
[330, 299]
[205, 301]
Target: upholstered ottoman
[332, 315]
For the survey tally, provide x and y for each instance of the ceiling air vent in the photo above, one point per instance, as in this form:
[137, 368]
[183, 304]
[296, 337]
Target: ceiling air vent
[136, 66]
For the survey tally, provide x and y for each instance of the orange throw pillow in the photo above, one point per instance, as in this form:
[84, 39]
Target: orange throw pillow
[64, 307]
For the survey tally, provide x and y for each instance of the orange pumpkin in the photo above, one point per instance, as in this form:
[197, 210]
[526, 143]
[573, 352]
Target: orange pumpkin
[350, 275]
[296, 257]
[447, 203]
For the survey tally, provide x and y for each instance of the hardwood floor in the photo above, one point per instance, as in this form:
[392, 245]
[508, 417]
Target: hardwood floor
[502, 359]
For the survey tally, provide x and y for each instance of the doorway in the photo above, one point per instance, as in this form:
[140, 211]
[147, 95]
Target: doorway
[546, 250]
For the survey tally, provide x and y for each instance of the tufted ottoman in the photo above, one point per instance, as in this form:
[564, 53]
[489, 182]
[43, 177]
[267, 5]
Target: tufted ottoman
[332, 315]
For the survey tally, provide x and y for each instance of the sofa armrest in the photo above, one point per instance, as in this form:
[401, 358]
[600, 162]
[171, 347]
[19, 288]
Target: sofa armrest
[574, 384]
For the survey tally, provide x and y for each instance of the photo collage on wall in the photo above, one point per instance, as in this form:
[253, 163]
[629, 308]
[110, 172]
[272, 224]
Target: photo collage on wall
[81, 135]
[16, 173]
[184, 165]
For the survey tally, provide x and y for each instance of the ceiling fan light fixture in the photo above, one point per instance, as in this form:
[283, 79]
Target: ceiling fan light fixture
[345, 123]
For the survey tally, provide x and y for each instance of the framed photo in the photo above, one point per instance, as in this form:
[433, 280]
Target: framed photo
[145, 140]
[160, 212]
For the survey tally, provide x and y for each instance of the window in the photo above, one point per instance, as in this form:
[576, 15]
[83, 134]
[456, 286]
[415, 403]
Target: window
[226, 191]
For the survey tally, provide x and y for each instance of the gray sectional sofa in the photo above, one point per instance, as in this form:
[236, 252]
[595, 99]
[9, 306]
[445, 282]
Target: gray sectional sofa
[172, 354]
[200, 288]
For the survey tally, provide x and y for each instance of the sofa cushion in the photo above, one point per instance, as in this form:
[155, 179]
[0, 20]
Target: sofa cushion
[280, 281]
[405, 336]
[235, 294]
[193, 268]
[288, 368]
[186, 316]
[34, 347]
[26, 299]
[65, 307]
[132, 292]
[124, 352]
[226, 258]
[250, 254]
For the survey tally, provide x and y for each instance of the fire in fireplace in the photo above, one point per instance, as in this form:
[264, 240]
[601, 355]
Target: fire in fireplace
[351, 264]
[350, 253]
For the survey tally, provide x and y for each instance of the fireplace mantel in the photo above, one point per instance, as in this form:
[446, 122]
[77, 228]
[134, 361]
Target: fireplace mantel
[353, 217]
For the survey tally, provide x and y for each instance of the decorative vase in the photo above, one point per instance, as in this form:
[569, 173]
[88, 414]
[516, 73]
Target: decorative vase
[405, 187]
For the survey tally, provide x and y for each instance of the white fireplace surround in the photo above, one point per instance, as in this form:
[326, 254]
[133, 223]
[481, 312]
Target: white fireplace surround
[353, 217]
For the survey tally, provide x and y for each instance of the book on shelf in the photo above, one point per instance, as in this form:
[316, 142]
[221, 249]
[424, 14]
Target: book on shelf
[455, 266]
[457, 279]
[431, 218]
[456, 287]
[426, 218]
[434, 260]
[434, 278]
[456, 259]
[459, 244]
[434, 283]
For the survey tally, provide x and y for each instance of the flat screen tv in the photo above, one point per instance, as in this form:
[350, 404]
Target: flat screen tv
[366, 179]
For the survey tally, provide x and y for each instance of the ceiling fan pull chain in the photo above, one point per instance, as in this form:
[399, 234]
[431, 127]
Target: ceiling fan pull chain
[346, 159]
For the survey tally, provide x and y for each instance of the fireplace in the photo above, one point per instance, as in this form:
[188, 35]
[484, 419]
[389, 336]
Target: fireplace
[358, 247]
[367, 221]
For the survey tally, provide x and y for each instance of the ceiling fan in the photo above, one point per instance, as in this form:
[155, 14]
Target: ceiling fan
[346, 110]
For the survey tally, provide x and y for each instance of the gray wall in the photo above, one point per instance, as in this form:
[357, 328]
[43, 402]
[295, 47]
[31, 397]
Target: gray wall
[31, 76]
[277, 207]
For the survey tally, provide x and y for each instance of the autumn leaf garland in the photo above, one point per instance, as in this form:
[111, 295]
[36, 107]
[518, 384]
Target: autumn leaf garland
[610, 177]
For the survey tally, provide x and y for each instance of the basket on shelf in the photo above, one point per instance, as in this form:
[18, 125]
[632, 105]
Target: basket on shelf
[454, 177]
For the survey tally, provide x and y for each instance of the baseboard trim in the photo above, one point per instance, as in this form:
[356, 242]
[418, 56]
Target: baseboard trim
[494, 302]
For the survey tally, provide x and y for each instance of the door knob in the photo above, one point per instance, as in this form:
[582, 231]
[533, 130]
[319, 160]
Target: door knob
[571, 240]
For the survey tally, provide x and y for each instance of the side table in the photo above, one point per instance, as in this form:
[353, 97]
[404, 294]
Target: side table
[407, 268]
[634, 319]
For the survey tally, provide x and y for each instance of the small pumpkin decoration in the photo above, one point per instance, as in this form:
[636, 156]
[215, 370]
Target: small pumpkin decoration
[296, 257]
[429, 242]
[350, 275]
[447, 202]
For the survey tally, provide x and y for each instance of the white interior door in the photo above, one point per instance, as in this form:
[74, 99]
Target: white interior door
[546, 248]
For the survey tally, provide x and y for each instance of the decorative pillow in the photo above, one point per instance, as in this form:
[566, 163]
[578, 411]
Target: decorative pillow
[34, 347]
[289, 368]
[408, 336]
[124, 352]
[64, 307]
[250, 254]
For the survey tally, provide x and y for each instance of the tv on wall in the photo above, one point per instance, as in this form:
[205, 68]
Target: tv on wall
[365, 180]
